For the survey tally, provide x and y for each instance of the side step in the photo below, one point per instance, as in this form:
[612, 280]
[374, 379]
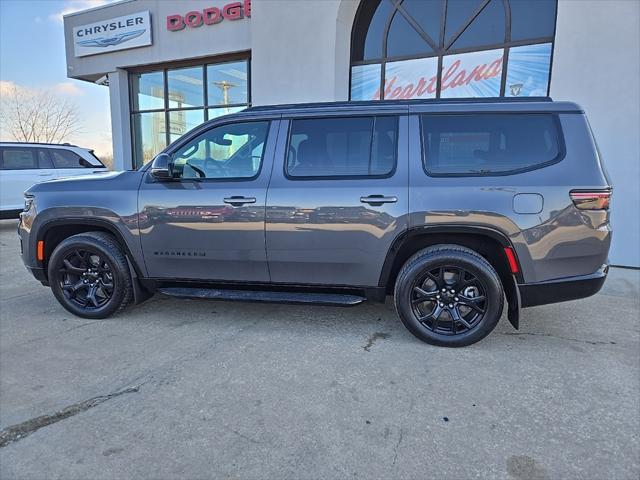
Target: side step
[328, 299]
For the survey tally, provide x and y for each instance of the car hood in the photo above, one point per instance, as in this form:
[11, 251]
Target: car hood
[94, 182]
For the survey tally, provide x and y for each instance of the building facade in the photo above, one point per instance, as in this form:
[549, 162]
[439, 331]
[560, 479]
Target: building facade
[171, 65]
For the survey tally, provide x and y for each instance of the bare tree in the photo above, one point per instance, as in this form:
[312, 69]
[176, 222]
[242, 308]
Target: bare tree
[38, 116]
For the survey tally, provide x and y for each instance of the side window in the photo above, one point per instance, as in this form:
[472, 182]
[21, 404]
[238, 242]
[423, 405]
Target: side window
[19, 158]
[232, 151]
[44, 160]
[67, 159]
[485, 144]
[342, 147]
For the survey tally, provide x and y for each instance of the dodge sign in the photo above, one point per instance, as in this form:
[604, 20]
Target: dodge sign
[120, 33]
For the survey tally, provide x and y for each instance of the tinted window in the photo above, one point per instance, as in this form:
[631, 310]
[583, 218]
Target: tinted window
[403, 39]
[486, 29]
[19, 158]
[67, 159]
[532, 19]
[342, 147]
[232, 151]
[485, 144]
[371, 22]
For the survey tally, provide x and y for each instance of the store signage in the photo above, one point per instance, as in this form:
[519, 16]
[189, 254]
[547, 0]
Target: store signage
[472, 74]
[129, 31]
[467, 75]
[209, 16]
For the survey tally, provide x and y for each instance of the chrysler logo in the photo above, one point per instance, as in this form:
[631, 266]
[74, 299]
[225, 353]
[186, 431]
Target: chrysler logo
[110, 41]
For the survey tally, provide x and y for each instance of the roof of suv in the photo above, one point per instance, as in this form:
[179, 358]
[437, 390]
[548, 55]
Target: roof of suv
[40, 144]
[524, 104]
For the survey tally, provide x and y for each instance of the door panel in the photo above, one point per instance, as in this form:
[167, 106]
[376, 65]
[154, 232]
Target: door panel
[333, 231]
[207, 229]
[20, 167]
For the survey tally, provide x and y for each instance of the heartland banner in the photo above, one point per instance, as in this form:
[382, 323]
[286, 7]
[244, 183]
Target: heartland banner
[474, 74]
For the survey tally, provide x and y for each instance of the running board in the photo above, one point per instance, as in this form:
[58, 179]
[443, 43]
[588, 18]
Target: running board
[328, 299]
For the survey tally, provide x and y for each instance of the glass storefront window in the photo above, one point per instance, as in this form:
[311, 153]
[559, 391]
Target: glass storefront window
[365, 82]
[227, 83]
[150, 135]
[411, 79]
[195, 94]
[181, 121]
[474, 74]
[185, 87]
[528, 71]
[218, 112]
[470, 43]
[148, 91]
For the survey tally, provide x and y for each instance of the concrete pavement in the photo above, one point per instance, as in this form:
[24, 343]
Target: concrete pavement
[200, 389]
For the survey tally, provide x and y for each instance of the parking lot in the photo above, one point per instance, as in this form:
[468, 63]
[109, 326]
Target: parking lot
[201, 389]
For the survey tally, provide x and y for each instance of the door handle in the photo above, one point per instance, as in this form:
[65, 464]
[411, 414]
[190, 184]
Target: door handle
[238, 201]
[377, 200]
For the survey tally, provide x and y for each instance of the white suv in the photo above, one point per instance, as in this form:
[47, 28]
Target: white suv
[24, 164]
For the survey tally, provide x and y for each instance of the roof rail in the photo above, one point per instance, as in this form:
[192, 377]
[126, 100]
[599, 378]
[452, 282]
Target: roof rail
[428, 101]
[41, 143]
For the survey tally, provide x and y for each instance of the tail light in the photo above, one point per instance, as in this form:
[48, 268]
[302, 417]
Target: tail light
[592, 199]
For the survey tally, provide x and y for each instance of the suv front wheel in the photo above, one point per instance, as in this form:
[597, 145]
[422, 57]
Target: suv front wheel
[89, 275]
[449, 295]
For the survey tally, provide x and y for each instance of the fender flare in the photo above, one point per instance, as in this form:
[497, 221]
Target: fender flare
[46, 226]
[510, 282]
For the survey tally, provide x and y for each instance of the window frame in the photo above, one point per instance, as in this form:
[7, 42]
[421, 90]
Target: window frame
[557, 159]
[441, 48]
[203, 63]
[342, 177]
[197, 133]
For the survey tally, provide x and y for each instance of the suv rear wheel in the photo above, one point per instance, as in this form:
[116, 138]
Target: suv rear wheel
[449, 295]
[89, 275]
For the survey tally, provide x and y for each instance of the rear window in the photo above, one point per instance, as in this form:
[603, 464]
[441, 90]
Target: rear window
[68, 159]
[486, 144]
[342, 147]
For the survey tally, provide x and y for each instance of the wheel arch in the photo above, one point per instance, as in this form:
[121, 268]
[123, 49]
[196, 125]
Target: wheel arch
[488, 242]
[55, 231]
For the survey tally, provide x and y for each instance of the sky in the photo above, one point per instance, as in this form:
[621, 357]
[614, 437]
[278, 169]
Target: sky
[32, 58]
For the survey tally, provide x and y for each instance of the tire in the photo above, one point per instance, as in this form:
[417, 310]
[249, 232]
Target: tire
[428, 312]
[91, 261]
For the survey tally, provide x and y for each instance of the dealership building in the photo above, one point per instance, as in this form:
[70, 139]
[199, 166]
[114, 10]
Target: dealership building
[173, 64]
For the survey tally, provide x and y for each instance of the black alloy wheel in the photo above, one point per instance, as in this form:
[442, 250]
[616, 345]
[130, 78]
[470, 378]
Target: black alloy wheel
[86, 278]
[449, 295]
[449, 300]
[89, 275]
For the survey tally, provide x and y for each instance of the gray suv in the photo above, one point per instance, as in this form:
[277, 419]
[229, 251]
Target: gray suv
[449, 206]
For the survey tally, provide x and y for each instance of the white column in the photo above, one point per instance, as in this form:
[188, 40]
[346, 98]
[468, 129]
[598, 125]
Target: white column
[120, 120]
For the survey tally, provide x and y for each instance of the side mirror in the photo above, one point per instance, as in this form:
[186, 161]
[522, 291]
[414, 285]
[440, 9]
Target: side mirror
[162, 167]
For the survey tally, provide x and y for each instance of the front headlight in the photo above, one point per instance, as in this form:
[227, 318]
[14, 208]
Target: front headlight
[28, 201]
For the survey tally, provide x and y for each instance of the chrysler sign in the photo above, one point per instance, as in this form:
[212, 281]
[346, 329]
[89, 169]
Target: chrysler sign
[120, 33]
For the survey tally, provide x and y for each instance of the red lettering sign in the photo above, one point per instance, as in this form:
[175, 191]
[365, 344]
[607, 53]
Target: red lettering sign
[209, 16]
[452, 77]
[175, 23]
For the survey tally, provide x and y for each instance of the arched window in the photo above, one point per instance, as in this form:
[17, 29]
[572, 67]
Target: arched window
[452, 48]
